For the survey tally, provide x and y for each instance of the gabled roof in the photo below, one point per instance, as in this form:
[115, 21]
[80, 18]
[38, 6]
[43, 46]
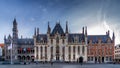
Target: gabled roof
[25, 41]
[79, 37]
[95, 38]
[58, 29]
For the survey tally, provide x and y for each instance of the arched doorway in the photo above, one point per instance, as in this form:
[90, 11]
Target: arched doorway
[28, 58]
[23, 58]
[19, 58]
[81, 59]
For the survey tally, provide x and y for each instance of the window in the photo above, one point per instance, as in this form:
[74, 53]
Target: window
[45, 52]
[83, 48]
[74, 49]
[63, 53]
[41, 51]
[78, 49]
[91, 58]
[51, 52]
[69, 50]
[74, 57]
[106, 58]
[88, 58]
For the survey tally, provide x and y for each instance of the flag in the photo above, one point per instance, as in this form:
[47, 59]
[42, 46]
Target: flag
[10, 46]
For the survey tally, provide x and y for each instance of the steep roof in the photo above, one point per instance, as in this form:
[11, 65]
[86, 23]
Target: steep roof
[58, 29]
[73, 37]
[25, 41]
[95, 38]
[41, 37]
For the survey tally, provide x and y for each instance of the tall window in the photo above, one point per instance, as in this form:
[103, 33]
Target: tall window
[63, 51]
[52, 52]
[74, 49]
[78, 49]
[41, 48]
[37, 52]
[45, 52]
[83, 49]
[69, 49]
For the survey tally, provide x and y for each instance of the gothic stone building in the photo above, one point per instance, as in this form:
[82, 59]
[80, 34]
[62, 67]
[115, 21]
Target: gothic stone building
[60, 45]
[22, 48]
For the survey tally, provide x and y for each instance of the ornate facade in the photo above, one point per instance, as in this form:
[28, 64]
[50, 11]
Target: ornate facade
[60, 45]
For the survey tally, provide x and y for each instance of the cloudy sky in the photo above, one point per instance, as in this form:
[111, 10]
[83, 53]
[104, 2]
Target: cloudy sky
[98, 15]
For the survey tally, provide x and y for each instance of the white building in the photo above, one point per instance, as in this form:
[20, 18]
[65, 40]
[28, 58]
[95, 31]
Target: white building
[60, 45]
[117, 53]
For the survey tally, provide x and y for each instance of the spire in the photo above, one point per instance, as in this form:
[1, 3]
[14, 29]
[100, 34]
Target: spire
[108, 33]
[49, 29]
[83, 30]
[14, 22]
[113, 37]
[4, 37]
[37, 31]
[66, 27]
[86, 31]
[9, 37]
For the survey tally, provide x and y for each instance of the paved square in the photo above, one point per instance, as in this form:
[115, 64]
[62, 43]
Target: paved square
[62, 66]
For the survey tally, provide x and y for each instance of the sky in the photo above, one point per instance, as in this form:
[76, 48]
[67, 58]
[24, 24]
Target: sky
[98, 15]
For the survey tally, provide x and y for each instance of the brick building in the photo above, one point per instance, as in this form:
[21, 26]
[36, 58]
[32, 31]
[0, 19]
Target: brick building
[100, 48]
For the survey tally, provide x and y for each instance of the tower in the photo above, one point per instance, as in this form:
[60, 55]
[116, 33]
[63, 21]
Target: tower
[15, 31]
[66, 27]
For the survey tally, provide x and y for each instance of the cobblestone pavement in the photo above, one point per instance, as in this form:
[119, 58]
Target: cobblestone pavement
[56, 65]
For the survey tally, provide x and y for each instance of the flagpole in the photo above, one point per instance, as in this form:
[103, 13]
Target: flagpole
[11, 53]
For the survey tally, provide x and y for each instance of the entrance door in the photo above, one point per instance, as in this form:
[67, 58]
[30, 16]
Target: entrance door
[102, 59]
[81, 59]
[95, 59]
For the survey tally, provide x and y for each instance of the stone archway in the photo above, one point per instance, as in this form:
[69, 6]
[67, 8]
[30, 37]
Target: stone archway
[80, 60]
